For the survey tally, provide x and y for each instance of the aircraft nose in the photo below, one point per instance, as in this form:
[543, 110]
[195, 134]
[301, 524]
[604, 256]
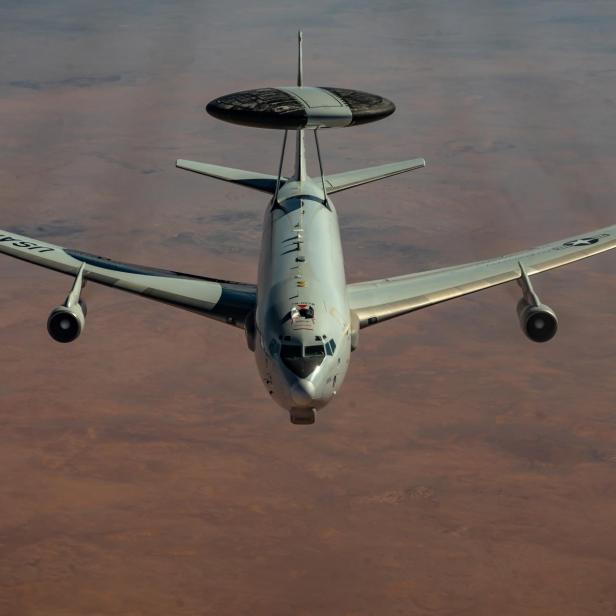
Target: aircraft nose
[302, 393]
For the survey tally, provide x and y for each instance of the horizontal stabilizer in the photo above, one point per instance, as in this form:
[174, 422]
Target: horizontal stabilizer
[250, 179]
[349, 179]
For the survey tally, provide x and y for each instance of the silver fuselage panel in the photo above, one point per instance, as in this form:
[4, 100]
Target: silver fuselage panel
[303, 323]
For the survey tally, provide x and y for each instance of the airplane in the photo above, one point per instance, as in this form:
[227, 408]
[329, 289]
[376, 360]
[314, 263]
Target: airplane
[301, 319]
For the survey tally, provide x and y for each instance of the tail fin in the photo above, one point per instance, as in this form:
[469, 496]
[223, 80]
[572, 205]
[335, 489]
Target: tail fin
[300, 148]
[300, 60]
[250, 179]
[350, 179]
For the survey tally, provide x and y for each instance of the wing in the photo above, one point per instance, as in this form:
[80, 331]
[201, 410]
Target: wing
[357, 177]
[250, 179]
[222, 300]
[379, 300]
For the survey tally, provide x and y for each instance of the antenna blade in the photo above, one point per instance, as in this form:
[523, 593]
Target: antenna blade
[300, 60]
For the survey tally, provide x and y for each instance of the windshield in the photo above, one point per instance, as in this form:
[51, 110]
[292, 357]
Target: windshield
[316, 350]
[290, 351]
[302, 364]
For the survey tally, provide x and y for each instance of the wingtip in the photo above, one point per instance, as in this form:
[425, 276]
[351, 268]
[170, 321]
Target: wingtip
[417, 163]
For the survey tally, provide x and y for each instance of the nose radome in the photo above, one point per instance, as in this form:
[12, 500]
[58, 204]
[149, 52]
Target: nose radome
[302, 393]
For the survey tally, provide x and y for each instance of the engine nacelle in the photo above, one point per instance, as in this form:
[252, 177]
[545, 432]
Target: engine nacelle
[66, 324]
[538, 322]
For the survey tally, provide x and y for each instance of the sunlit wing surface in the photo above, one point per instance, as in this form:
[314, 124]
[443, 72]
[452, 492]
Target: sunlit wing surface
[379, 300]
[250, 179]
[222, 300]
[350, 179]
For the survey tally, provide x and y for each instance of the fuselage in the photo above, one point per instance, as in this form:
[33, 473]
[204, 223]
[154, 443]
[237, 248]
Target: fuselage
[303, 320]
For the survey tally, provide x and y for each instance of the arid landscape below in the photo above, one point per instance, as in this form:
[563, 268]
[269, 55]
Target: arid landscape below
[462, 469]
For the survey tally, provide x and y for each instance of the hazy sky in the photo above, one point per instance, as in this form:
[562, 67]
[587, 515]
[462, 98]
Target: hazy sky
[462, 469]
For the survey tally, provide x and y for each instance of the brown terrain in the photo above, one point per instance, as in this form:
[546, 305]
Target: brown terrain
[462, 470]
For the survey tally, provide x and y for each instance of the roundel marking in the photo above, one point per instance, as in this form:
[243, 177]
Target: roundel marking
[585, 241]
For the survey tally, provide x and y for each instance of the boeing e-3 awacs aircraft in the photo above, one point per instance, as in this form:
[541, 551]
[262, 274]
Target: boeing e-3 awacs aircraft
[301, 319]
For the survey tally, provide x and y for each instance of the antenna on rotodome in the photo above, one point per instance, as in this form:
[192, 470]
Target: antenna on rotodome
[300, 62]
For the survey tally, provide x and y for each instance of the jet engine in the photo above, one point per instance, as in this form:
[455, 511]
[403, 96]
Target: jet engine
[538, 321]
[66, 322]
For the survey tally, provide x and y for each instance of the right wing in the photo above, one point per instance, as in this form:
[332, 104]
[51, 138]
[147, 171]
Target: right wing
[223, 300]
[357, 177]
[379, 300]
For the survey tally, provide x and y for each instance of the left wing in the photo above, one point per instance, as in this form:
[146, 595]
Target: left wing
[223, 300]
[379, 300]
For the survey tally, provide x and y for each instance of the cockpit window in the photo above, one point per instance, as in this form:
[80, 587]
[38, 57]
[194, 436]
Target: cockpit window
[291, 351]
[330, 347]
[273, 347]
[302, 364]
[315, 350]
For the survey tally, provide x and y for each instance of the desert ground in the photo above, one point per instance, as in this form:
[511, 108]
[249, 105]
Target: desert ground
[461, 470]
